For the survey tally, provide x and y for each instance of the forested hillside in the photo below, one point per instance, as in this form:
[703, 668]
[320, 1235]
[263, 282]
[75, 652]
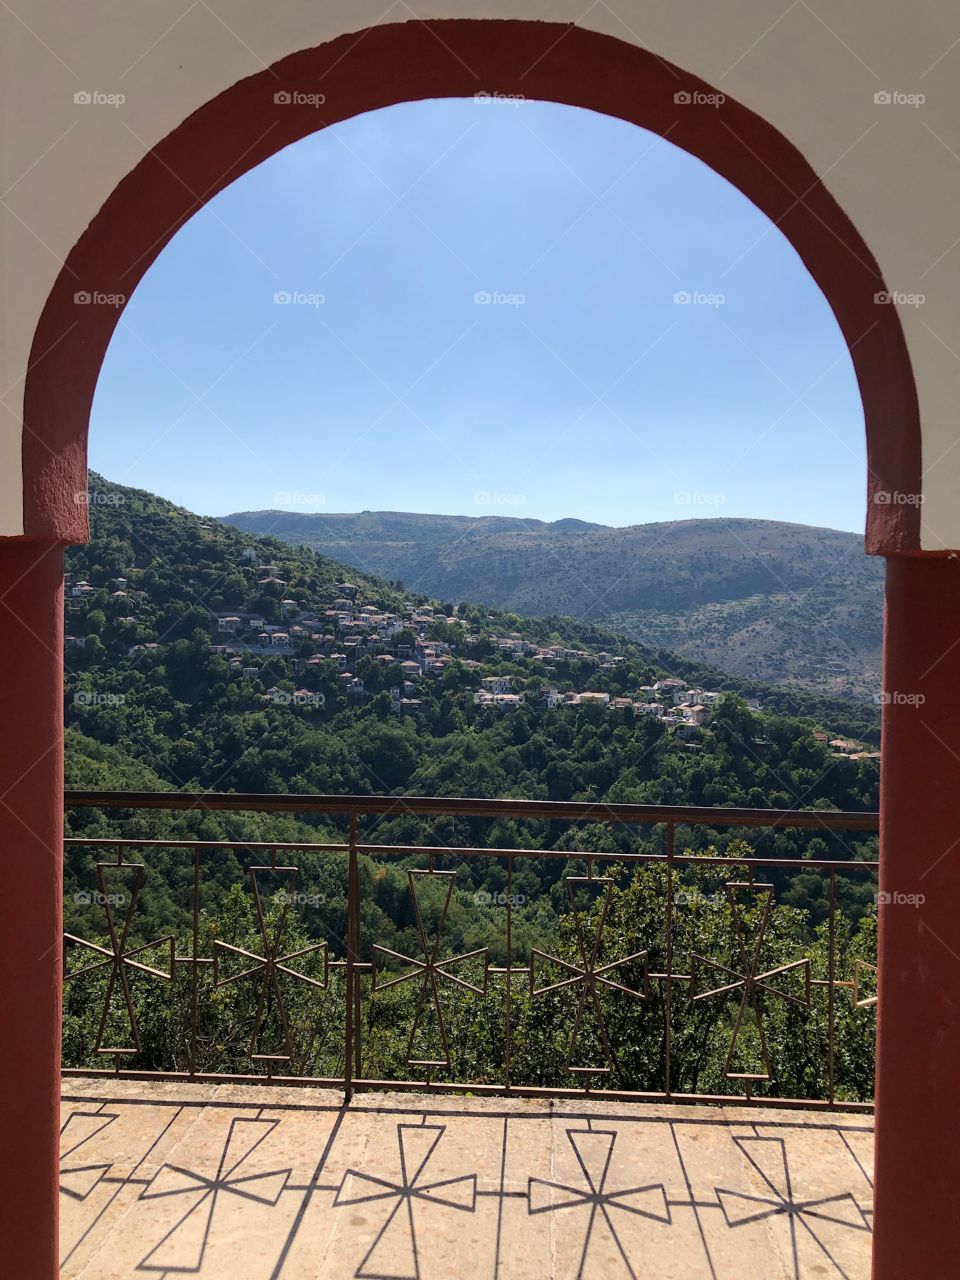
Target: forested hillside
[157, 677]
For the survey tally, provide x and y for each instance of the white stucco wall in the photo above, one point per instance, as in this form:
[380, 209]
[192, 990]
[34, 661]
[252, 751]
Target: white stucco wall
[812, 70]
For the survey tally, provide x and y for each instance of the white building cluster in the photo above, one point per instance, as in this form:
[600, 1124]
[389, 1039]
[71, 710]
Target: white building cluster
[670, 700]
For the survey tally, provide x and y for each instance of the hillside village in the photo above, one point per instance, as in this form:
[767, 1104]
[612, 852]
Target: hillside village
[368, 648]
[722, 592]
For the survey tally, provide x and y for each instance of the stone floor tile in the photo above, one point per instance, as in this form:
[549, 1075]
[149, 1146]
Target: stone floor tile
[236, 1182]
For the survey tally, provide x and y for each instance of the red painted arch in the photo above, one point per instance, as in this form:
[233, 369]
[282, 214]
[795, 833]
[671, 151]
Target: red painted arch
[388, 64]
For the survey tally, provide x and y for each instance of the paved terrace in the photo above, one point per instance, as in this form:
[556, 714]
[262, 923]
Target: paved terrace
[166, 1180]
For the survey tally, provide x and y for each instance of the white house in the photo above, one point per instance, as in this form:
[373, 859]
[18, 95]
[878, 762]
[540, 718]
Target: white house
[499, 701]
[496, 684]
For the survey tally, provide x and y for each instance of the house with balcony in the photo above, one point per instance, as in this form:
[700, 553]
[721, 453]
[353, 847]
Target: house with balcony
[497, 684]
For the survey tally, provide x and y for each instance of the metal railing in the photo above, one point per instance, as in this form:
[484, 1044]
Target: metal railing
[724, 958]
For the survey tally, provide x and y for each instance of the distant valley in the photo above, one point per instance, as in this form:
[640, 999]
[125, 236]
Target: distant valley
[785, 603]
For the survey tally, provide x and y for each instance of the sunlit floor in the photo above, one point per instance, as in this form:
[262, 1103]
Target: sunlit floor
[249, 1183]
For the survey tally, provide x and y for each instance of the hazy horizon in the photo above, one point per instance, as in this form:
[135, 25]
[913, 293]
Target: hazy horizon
[504, 515]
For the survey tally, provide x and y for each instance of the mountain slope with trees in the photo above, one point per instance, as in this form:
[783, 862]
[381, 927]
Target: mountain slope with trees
[786, 603]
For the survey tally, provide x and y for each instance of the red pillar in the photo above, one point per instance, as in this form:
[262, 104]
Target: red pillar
[31, 876]
[917, 1204]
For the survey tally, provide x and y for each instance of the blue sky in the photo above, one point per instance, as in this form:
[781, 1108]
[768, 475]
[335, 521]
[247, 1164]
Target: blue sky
[484, 318]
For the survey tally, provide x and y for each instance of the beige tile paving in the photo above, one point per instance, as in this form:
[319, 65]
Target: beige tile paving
[241, 1182]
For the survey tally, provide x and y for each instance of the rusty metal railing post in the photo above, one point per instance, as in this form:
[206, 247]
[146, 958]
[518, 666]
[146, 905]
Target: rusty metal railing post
[195, 966]
[508, 1029]
[668, 993]
[831, 979]
[351, 1000]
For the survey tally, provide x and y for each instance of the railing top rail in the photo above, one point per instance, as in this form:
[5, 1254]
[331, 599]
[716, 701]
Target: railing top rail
[465, 806]
[472, 851]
